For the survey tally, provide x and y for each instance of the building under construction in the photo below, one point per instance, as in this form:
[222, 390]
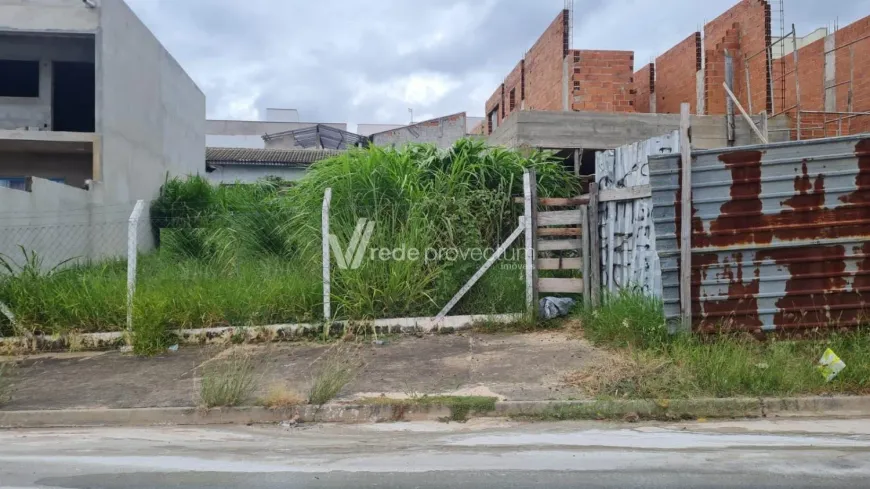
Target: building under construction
[807, 87]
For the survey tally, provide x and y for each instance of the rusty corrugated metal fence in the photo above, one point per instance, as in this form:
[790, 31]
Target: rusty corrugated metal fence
[780, 234]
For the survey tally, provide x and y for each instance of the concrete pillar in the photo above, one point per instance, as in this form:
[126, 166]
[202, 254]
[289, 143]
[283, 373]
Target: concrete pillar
[567, 72]
[830, 73]
[46, 92]
[701, 105]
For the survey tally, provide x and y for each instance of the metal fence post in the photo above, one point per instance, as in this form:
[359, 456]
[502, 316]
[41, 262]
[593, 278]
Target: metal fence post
[327, 291]
[686, 217]
[132, 255]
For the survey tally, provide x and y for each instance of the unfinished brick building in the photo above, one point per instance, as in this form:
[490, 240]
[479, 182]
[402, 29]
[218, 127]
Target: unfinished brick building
[819, 87]
[554, 77]
[816, 90]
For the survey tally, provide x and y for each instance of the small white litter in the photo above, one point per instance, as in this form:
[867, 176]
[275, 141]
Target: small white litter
[830, 365]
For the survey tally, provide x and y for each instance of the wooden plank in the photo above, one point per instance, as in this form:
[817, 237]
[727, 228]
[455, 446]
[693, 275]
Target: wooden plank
[559, 244]
[327, 290]
[561, 285]
[560, 231]
[745, 115]
[627, 193]
[479, 273]
[594, 247]
[686, 217]
[557, 201]
[559, 218]
[560, 263]
[584, 253]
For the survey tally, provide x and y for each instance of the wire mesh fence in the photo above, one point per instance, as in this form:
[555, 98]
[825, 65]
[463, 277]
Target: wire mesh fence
[66, 270]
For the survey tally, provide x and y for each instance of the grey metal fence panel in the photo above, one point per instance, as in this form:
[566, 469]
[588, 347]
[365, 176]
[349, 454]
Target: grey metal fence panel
[780, 234]
[628, 240]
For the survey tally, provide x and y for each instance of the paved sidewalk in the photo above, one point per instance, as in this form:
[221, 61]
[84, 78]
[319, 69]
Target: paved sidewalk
[512, 367]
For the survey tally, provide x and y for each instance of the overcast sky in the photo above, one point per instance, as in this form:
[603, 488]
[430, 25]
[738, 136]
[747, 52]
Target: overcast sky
[370, 60]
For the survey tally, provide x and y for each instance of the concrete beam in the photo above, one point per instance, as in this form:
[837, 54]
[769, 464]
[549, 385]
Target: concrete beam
[601, 130]
[61, 16]
[56, 136]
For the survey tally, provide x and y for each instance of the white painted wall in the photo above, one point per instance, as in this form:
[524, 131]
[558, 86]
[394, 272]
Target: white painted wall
[369, 129]
[250, 174]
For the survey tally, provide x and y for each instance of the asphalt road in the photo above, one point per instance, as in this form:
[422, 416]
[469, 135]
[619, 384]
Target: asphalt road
[487, 453]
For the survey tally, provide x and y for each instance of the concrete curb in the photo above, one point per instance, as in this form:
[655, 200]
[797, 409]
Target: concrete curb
[836, 407]
[258, 334]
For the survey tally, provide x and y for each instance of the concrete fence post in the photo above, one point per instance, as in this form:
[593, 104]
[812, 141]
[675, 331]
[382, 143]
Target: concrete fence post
[132, 255]
[327, 290]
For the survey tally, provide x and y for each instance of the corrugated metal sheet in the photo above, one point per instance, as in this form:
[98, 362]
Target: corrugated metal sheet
[780, 234]
[628, 242]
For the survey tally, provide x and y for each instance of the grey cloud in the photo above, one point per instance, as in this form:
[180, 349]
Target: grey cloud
[317, 55]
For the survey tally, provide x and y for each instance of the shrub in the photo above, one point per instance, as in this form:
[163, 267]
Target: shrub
[227, 381]
[338, 366]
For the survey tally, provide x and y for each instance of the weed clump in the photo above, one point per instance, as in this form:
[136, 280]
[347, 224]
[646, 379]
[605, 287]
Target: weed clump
[227, 381]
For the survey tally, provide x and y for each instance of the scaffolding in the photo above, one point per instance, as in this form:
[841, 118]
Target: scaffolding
[778, 81]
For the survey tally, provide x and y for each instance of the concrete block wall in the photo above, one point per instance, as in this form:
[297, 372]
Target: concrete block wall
[676, 76]
[602, 81]
[644, 87]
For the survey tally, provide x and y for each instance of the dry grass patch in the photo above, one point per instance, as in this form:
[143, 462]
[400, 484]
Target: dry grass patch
[281, 397]
[631, 374]
[6, 370]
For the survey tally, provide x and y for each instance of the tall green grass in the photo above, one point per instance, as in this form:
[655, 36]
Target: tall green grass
[251, 254]
[650, 363]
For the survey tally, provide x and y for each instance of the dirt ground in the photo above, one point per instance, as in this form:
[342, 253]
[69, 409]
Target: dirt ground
[513, 367]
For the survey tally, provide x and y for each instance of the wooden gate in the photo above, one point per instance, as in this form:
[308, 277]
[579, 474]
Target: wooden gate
[565, 232]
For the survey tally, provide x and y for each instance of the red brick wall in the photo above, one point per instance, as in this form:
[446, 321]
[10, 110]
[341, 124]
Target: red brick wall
[714, 73]
[750, 20]
[514, 82]
[495, 101]
[543, 67]
[861, 67]
[602, 81]
[643, 86]
[676, 76]
[811, 72]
